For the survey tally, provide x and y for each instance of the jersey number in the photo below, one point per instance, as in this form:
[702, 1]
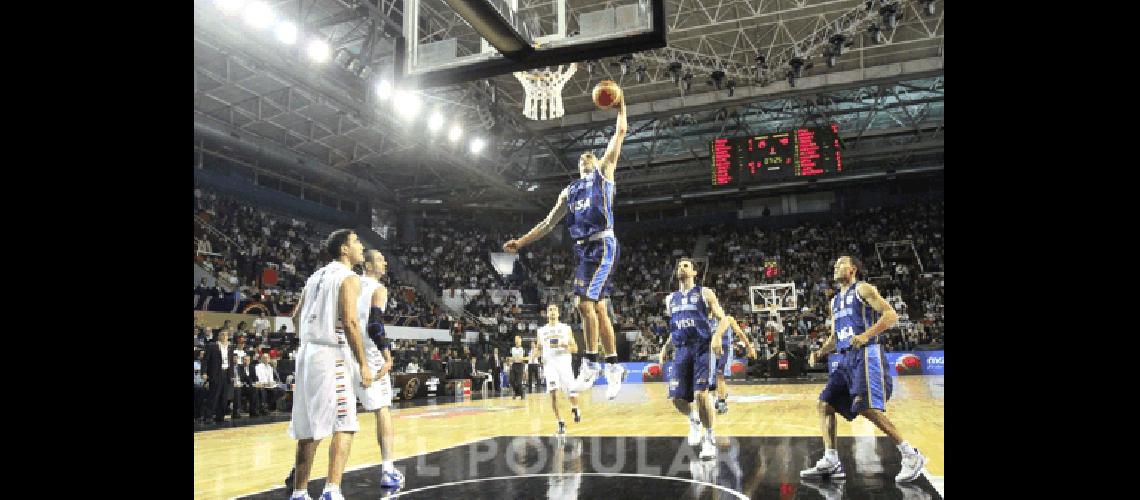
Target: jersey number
[580, 205]
[686, 323]
[846, 333]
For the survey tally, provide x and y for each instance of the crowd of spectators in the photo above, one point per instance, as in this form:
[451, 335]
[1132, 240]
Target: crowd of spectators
[264, 257]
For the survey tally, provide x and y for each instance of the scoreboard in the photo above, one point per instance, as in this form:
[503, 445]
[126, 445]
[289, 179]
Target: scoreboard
[803, 152]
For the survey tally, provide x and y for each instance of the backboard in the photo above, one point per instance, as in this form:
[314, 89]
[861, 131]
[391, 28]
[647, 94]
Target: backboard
[452, 41]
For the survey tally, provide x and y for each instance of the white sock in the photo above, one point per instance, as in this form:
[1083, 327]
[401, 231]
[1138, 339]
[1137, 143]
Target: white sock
[331, 488]
[387, 466]
[709, 435]
[906, 449]
[299, 493]
[832, 454]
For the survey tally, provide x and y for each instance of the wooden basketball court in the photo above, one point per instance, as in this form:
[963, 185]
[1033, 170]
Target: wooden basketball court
[241, 461]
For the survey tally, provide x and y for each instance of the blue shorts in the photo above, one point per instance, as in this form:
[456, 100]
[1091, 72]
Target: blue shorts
[690, 371]
[860, 381]
[596, 260]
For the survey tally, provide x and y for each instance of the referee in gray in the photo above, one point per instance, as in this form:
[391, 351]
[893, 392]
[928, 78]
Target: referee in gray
[518, 368]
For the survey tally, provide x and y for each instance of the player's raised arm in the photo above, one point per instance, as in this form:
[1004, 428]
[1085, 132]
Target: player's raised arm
[721, 319]
[609, 161]
[887, 315]
[542, 228]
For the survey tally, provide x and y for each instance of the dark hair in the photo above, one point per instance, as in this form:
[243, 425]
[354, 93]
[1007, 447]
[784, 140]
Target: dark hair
[335, 240]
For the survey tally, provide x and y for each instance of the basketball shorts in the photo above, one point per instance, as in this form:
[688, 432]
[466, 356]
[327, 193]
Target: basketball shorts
[692, 365]
[596, 260]
[379, 394]
[560, 375]
[860, 381]
[323, 399]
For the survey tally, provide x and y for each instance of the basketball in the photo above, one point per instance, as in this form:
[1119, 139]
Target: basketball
[607, 94]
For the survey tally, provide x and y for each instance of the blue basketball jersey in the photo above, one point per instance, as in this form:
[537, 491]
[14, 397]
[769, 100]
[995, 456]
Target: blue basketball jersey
[589, 205]
[688, 317]
[852, 316]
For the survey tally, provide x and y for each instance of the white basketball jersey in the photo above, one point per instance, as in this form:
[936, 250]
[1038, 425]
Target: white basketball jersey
[319, 312]
[368, 286]
[549, 335]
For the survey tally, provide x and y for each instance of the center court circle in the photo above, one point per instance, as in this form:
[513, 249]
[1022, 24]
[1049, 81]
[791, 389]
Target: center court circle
[571, 485]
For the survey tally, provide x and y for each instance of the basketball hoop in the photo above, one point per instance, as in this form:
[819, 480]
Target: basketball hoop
[544, 91]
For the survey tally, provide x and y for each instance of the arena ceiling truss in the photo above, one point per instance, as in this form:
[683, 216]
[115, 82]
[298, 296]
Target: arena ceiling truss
[885, 90]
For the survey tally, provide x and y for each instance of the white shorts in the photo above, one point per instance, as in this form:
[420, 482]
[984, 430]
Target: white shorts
[379, 394]
[560, 375]
[323, 400]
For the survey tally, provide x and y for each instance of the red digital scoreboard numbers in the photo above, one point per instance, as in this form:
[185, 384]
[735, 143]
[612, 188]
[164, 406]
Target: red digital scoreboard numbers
[804, 152]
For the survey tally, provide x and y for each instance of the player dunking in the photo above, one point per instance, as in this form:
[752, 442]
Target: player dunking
[690, 332]
[861, 384]
[378, 397]
[555, 345]
[324, 405]
[587, 204]
[724, 361]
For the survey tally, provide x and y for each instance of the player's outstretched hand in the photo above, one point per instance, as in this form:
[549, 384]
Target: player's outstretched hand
[718, 349]
[751, 353]
[511, 246]
[859, 341]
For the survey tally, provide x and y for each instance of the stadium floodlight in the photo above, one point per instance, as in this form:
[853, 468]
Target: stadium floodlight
[454, 133]
[286, 32]
[258, 15]
[407, 103]
[435, 122]
[230, 6]
[318, 51]
[384, 89]
[477, 145]
[928, 6]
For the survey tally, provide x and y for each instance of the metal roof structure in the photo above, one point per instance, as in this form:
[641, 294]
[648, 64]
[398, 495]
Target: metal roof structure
[323, 125]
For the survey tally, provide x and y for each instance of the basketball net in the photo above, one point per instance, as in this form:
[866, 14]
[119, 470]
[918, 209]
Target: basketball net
[544, 91]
